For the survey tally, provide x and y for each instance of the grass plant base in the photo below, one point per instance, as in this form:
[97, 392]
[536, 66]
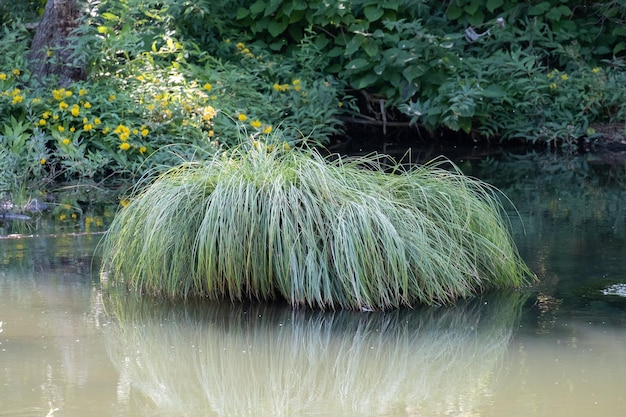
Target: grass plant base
[261, 223]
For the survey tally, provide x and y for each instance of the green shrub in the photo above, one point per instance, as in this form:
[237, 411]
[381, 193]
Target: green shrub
[261, 222]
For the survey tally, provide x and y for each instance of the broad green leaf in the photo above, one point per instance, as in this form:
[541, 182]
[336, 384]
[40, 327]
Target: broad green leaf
[365, 81]
[556, 13]
[412, 72]
[257, 7]
[494, 4]
[465, 123]
[476, 19]
[380, 68]
[373, 13]
[272, 7]
[276, 28]
[321, 41]
[371, 48]
[454, 12]
[300, 5]
[494, 91]
[619, 48]
[354, 44]
[539, 9]
[242, 13]
[472, 7]
[357, 65]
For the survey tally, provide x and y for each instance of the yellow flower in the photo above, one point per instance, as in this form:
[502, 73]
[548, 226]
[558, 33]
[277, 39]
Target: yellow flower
[75, 110]
[97, 121]
[552, 86]
[267, 130]
[211, 133]
[125, 146]
[61, 129]
[16, 72]
[46, 114]
[68, 93]
[106, 130]
[135, 131]
[242, 117]
[42, 122]
[82, 92]
[124, 203]
[140, 77]
[112, 97]
[72, 129]
[208, 87]
[144, 133]
[88, 127]
[18, 99]
[122, 130]
[85, 120]
[74, 215]
[286, 146]
[143, 150]
[66, 141]
[36, 100]
[62, 217]
[58, 94]
[3, 76]
[208, 113]
[564, 77]
[63, 105]
[124, 137]
[87, 105]
[255, 124]
[595, 70]
[42, 161]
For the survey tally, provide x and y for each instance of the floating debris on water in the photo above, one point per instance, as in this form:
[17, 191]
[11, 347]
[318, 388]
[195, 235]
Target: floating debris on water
[615, 289]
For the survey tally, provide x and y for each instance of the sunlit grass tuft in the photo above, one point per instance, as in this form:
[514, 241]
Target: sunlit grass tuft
[261, 223]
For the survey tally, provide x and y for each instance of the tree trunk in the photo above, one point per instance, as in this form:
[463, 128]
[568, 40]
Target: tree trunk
[50, 50]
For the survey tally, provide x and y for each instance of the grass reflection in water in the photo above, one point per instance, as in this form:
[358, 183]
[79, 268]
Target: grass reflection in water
[264, 360]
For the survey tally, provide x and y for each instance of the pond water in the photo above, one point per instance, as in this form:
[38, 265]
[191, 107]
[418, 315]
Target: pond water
[558, 349]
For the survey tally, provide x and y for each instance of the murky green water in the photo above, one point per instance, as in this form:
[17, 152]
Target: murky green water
[558, 349]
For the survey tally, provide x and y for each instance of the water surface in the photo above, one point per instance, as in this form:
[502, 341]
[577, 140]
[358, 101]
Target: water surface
[557, 349]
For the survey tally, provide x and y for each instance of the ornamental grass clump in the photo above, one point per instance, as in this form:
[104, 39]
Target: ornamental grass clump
[266, 223]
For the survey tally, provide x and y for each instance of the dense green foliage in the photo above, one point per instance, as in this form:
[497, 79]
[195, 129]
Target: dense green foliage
[168, 78]
[262, 222]
[488, 68]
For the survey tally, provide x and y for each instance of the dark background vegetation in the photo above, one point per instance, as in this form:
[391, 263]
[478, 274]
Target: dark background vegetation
[129, 87]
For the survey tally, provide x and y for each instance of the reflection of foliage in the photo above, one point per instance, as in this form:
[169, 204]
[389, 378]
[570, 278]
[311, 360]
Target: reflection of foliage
[262, 360]
[570, 188]
[573, 213]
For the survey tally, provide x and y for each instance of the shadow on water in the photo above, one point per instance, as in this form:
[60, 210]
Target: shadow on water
[262, 360]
